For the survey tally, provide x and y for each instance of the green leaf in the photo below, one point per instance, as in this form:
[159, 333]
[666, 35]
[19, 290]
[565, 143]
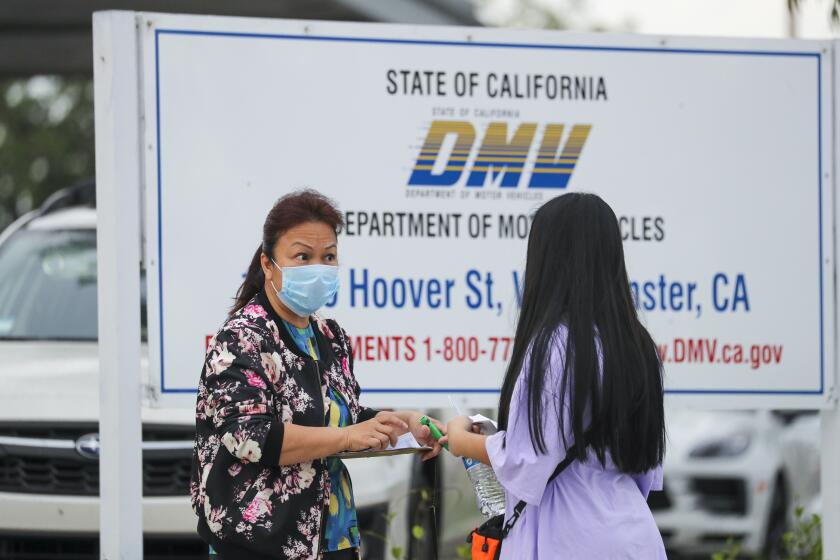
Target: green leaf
[464, 552]
[729, 553]
[418, 532]
[397, 552]
[424, 494]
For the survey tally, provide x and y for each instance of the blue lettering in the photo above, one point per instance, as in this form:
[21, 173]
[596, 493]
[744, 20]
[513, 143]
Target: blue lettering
[363, 286]
[398, 292]
[676, 296]
[416, 289]
[649, 289]
[422, 174]
[473, 278]
[663, 295]
[433, 291]
[720, 304]
[380, 293]
[738, 293]
[518, 287]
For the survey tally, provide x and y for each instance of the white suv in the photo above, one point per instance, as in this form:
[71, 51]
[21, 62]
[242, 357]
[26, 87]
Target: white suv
[735, 475]
[49, 446]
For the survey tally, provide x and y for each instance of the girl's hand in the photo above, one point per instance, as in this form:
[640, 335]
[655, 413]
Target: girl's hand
[460, 423]
[457, 426]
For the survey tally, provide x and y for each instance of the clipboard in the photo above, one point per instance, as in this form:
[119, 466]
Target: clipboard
[405, 444]
[382, 453]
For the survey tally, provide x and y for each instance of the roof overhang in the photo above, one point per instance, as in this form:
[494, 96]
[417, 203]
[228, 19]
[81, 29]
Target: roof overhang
[54, 36]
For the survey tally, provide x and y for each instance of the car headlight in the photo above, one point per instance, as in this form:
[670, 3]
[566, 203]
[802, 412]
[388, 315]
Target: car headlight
[731, 446]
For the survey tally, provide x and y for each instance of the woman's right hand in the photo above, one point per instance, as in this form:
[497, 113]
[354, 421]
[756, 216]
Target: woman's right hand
[373, 434]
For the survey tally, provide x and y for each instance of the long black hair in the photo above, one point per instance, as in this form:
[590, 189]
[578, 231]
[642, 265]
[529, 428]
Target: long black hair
[290, 210]
[575, 277]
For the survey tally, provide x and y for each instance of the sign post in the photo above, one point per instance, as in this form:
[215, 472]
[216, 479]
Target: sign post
[830, 482]
[830, 418]
[118, 177]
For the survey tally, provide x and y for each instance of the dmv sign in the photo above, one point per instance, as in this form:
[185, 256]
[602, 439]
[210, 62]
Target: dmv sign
[499, 155]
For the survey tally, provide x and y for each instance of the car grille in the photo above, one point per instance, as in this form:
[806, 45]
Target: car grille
[721, 495]
[39, 459]
[43, 547]
[721, 539]
[72, 430]
[45, 475]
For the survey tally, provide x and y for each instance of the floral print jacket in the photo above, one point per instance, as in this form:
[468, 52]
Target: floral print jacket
[255, 381]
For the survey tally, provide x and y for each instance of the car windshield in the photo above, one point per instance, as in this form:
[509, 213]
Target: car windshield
[48, 285]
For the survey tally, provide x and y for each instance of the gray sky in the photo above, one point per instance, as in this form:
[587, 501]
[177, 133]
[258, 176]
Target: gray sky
[738, 18]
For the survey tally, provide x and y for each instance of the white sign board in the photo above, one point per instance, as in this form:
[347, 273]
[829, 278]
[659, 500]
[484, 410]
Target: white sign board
[439, 143]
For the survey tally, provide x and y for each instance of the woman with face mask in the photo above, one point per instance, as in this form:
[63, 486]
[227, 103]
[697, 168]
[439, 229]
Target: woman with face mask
[277, 398]
[581, 421]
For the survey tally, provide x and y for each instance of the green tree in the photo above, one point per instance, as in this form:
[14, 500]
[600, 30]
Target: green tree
[531, 13]
[46, 139]
[541, 14]
[793, 7]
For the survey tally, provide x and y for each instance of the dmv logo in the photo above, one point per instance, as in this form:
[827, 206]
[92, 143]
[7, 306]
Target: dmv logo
[499, 155]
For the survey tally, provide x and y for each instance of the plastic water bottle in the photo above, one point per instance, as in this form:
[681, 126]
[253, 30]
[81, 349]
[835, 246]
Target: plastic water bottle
[489, 494]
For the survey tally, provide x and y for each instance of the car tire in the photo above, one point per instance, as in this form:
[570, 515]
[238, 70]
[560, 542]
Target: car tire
[424, 511]
[777, 521]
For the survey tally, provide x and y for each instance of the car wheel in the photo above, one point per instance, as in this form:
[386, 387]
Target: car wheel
[424, 512]
[777, 522]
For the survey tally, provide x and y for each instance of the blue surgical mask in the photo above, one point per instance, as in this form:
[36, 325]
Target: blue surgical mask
[306, 289]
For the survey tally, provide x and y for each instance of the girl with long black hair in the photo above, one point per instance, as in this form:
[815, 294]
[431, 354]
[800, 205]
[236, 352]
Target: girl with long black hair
[584, 381]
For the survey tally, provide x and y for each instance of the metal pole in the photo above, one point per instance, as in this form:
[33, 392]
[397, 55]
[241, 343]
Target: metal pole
[118, 173]
[830, 482]
[830, 418]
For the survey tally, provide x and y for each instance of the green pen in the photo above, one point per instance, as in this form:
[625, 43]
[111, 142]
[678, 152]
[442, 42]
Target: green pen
[434, 429]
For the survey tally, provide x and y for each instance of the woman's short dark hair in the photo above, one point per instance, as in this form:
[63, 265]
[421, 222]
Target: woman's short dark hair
[293, 209]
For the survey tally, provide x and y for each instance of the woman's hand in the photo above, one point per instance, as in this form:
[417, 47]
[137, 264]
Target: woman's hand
[374, 434]
[394, 419]
[422, 433]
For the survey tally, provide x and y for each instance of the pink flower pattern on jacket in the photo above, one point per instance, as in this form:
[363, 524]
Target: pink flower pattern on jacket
[254, 380]
[251, 384]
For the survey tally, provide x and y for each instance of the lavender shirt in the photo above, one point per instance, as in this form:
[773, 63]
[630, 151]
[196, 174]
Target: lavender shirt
[587, 512]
